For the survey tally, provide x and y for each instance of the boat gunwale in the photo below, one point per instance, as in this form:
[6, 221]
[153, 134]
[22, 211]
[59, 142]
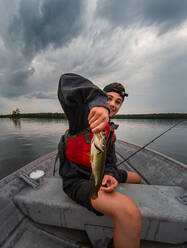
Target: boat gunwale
[157, 153]
[27, 168]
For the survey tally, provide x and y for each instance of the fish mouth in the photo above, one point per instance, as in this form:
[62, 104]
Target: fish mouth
[97, 147]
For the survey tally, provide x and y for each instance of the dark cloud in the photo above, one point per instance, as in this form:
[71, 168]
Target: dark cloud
[102, 49]
[169, 13]
[166, 13]
[16, 83]
[42, 95]
[29, 27]
[165, 88]
[170, 83]
[45, 22]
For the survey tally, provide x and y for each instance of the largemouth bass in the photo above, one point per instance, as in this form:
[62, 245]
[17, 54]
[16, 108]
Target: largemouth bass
[98, 160]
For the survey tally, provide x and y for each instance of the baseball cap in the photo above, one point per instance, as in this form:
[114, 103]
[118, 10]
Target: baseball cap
[116, 87]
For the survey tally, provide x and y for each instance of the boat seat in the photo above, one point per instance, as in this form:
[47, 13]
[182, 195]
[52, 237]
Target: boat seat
[164, 214]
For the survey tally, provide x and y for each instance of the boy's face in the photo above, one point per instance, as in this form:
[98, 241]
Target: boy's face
[114, 102]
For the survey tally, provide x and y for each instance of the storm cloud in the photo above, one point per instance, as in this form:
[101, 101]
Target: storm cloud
[140, 43]
[40, 23]
[28, 28]
[16, 83]
[42, 95]
[165, 14]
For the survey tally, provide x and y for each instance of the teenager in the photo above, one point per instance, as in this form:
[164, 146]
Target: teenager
[88, 110]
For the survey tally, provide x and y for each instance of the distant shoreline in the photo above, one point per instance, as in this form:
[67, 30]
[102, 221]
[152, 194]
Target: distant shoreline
[121, 116]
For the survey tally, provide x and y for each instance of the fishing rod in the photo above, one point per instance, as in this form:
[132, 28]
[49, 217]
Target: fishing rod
[141, 148]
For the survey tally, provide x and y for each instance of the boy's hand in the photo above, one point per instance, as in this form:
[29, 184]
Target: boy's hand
[109, 183]
[98, 118]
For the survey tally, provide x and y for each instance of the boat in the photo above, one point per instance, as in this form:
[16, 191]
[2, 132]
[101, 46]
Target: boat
[35, 212]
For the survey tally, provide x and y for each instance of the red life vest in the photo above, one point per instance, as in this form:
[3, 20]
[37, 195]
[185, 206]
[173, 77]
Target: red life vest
[78, 146]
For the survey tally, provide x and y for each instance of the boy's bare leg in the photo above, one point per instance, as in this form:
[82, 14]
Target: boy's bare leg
[133, 177]
[126, 216]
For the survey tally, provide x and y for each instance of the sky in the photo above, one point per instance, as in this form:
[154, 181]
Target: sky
[140, 43]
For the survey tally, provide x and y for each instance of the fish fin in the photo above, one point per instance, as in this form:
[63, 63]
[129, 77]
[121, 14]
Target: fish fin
[92, 178]
[91, 157]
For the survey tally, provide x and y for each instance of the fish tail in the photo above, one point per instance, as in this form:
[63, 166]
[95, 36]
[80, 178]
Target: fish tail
[95, 192]
[94, 195]
[95, 189]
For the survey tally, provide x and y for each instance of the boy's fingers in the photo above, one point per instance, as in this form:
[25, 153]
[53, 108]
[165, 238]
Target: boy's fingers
[98, 128]
[96, 112]
[91, 114]
[107, 189]
[97, 122]
[98, 119]
[93, 118]
[98, 116]
[104, 180]
[108, 184]
[114, 182]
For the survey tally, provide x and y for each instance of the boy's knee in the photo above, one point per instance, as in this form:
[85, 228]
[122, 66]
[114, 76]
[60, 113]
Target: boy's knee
[133, 212]
[129, 211]
[132, 218]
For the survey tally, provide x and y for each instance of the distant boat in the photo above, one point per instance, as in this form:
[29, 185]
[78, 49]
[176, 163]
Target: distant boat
[37, 213]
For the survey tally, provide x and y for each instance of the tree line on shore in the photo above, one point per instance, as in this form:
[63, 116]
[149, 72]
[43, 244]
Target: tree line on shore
[120, 116]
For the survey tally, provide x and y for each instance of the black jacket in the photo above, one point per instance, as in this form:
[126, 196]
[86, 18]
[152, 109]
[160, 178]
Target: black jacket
[78, 96]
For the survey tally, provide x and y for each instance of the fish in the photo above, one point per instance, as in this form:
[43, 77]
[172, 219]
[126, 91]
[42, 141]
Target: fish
[98, 160]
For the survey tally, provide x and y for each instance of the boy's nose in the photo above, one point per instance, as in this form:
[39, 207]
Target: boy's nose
[112, 103]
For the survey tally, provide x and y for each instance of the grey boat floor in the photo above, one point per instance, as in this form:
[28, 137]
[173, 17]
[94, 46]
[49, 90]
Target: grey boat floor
[19, 231]
[29, 235]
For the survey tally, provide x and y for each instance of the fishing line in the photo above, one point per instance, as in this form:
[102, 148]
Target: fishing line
[136, 170]
[141, 148]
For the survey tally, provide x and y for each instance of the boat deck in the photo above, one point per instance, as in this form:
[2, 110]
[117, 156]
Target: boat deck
[19, 230]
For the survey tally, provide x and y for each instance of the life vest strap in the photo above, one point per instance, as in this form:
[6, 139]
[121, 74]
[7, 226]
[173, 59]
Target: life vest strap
[87, 137]
[84, 131]
[109, 139]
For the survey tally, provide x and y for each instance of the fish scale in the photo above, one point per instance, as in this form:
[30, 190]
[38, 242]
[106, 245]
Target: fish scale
[98, 160]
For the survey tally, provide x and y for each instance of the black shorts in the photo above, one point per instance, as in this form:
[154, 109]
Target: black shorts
[80, 190]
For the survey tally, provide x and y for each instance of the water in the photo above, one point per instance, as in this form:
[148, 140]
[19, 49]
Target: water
[24, 140]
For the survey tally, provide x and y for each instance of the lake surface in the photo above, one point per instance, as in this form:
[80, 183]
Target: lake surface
[24, 140]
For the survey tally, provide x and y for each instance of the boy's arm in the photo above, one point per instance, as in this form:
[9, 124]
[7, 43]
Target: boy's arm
[112, 175]
[111, 166]
[83, 103]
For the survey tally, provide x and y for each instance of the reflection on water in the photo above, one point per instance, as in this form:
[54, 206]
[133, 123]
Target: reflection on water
[142, 131]
[23, 140]
[173, 143]
[16, 122]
